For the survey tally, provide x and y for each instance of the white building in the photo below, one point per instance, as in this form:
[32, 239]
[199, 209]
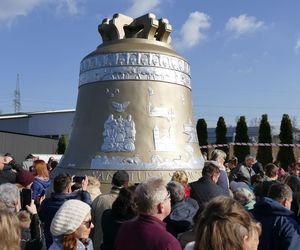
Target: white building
[34, 132]
[48, 123]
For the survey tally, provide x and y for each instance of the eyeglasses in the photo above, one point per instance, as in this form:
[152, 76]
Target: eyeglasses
[88, 223]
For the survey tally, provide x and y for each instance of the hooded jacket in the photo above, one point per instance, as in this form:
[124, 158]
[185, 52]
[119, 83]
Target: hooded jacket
[181, 217]
[280, 231]
[38, 185]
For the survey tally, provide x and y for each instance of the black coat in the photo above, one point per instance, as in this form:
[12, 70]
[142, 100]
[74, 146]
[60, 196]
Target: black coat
[7, 176]
[205, 190]
[32, 238]
[110, 227]
[258, 168]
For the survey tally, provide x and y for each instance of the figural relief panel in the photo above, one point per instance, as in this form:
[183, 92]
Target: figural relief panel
[118, 134]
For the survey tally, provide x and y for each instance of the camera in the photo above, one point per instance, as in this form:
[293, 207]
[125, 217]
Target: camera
[78, 179]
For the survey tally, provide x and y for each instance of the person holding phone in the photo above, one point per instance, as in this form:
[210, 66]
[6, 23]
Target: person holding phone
[31, 232]
[24, 181]
[62, 186]
[10, 199]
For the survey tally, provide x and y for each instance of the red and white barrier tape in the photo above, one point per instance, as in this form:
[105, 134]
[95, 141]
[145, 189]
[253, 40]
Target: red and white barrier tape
[250, 144]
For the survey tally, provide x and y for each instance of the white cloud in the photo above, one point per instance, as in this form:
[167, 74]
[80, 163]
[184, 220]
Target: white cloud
[191, 32]
[243, 24]
[69, 6]
[142, 7]
[297, 45]
[11, 9]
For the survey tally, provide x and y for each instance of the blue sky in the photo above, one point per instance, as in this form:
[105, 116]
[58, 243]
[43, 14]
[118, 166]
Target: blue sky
[244, 55]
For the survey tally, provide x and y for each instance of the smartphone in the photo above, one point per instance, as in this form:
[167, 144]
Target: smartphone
[78, 179]
[25, 198]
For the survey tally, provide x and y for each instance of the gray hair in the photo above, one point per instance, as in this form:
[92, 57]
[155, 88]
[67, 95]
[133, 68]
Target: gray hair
[9, 195]
[248, 157]
[243, 195]
[149, 194]
[176, 191]
[216, 154]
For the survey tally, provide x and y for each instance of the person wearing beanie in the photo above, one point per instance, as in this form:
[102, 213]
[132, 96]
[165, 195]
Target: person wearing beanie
[62, 185]
[24, 179]
[71, 226]
[120, 179]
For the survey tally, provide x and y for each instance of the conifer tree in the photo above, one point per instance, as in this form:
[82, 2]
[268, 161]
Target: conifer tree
[264, 153]
[221, 131]
[241, 135]
[202, 133]
[286, 154]
[61, 145]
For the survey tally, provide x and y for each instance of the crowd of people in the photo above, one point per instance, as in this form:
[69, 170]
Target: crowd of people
[233, 206]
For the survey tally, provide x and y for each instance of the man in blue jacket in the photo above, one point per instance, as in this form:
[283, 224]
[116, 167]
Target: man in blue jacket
[62, 192]
[279, 228]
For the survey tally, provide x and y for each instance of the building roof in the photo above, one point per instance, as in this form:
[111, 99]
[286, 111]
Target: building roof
[27, 114]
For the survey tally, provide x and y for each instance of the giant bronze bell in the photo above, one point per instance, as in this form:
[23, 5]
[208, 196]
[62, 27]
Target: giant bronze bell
[134, 109]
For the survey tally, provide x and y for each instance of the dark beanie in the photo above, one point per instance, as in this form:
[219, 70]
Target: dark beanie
[120, 178]
[24, 178]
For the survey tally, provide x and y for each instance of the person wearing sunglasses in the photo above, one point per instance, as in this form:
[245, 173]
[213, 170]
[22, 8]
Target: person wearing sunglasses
[71, 226]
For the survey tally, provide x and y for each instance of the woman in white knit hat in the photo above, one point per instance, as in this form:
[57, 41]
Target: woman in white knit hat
[71, 226]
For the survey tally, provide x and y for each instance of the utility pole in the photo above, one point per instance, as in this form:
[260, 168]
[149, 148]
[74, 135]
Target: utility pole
[17, 96]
